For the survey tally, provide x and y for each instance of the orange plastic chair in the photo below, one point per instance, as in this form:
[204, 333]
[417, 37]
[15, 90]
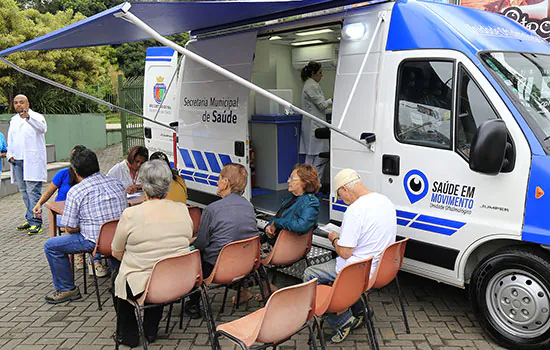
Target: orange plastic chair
[195, 213]
[388, 266]
[172, 279]
[289, 249]
[271, 325]
[235, 262]
[347, 289]
[103, 247]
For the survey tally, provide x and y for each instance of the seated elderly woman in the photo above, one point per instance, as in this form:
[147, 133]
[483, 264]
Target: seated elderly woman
[300, 211]
[145, 234]
[127, 171]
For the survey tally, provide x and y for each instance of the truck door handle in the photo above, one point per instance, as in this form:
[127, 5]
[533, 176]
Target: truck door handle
[390, 164]
[239, 148]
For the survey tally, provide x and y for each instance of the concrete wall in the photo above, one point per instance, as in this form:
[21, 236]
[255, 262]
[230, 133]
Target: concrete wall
[65, 131]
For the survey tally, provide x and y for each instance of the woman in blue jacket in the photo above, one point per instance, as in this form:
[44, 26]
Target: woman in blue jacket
[299, 212]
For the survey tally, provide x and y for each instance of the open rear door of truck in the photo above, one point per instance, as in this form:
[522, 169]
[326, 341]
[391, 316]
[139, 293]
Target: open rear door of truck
[213, 114]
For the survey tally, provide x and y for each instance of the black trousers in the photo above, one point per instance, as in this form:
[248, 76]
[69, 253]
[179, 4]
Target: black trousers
[207, 268]
[127, 327]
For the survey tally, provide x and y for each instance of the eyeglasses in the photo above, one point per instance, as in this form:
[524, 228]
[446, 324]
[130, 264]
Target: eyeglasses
[290, 178]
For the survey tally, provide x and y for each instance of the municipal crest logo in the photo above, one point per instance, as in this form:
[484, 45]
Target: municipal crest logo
[159, 90]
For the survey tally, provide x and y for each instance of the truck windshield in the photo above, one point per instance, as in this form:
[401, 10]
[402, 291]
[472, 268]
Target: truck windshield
[525, 77]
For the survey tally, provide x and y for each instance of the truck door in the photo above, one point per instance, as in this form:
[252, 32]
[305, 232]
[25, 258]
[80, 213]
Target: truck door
[213, 119]
[439, 99]
[160, 65]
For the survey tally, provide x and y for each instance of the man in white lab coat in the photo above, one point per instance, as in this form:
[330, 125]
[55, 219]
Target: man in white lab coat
[27, 156]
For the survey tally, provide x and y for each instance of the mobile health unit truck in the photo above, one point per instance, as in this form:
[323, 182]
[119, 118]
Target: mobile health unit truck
[443, 109]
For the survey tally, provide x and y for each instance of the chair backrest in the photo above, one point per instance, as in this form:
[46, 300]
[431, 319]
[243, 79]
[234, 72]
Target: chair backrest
[235, 261]
[286, 311]
[389, 264]
[172, 278]
[349, 285]
[289, 248]
[195, 213]
[105, 238]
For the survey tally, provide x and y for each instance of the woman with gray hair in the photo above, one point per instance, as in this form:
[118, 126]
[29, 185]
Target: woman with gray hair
[145, 234]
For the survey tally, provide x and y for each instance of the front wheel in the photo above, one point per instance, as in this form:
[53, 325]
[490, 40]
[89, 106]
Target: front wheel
[510, 293]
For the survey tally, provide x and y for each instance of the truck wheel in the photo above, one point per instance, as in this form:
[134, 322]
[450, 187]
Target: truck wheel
[510, 293]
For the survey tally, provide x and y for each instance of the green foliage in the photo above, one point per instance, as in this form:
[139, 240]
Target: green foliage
[131, 57]
[77, 68]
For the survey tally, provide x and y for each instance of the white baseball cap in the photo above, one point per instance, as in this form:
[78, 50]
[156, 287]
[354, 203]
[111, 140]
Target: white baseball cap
[345, 176]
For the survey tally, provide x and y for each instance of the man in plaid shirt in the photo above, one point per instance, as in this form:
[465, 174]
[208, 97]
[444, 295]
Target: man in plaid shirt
[94, 200]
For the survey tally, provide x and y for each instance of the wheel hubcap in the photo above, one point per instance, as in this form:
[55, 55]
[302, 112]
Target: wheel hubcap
[519, 302]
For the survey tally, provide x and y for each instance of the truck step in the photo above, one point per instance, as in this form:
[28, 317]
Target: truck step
[316, 256]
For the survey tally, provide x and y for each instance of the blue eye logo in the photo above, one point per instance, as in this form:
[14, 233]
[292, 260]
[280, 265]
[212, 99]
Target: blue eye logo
[416, 185]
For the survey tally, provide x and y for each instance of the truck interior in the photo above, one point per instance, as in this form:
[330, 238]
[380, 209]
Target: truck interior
[275, 132]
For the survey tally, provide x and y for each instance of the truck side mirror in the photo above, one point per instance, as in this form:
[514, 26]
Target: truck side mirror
[369, 137]
[490, 148]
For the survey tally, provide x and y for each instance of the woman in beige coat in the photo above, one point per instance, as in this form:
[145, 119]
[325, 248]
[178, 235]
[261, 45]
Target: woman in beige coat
[145, 234]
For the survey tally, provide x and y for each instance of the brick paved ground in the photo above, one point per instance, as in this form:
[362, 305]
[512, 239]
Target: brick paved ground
[439, 315]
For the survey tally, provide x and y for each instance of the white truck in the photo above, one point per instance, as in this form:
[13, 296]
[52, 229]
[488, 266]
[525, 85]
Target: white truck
[443, 109]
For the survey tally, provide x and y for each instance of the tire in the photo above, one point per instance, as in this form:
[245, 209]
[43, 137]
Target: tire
[510, 294]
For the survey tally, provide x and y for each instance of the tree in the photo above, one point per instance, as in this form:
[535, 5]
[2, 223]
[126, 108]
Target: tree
[77, 68]
[131, 57]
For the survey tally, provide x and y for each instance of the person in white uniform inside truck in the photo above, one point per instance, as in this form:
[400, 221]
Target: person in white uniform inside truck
[314, 102]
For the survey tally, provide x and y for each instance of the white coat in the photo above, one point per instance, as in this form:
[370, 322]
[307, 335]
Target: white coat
[33, 131]
[313, 101]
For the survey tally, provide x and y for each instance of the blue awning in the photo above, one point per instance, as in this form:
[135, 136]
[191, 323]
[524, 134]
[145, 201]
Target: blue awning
[169, 18]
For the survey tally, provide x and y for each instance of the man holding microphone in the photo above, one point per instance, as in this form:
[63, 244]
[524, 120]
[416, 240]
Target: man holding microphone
[27, 156]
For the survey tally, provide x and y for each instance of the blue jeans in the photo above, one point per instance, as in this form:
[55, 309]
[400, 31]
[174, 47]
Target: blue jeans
[30, 191]
[326, 274]
[57, 251]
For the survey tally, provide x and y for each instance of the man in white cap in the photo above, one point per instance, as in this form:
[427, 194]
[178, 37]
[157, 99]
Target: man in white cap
[368, 227]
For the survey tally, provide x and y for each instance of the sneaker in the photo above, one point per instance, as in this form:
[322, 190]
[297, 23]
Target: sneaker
[24, 226]
[100, 270]
[357, 322]
[33, 230]
[57, 296]
[343, 332]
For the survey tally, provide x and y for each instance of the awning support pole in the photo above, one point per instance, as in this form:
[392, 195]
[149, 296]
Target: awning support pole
[138, 22]
[79, 93]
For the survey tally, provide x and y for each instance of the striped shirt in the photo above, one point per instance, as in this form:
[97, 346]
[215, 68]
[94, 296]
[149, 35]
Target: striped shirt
[93, 201]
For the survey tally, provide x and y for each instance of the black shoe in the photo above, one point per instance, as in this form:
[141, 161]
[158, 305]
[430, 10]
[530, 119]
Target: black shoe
[150, 338]
[119, 340]
[193, 310]
[24, 226]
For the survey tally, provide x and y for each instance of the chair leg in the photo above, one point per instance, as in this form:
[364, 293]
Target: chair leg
[169, 316]
[312, 340]
[320, 334]
[140, 325]
[368, 324]
[85, 264]
[405, 320]
[224, 299]
[267, 283]
[239, 285]
[370, 319]
[182, 311]
[208, 318]
[259, 282]
[96, 287]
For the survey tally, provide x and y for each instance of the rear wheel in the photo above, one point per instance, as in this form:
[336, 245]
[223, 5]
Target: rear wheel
[510, 293]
